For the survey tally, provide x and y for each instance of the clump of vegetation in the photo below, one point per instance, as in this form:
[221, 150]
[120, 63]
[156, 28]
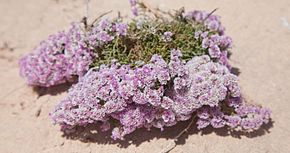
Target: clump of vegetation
[146, 37]
[159, 69]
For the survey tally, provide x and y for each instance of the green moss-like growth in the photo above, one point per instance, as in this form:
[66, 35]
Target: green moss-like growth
[141, 43]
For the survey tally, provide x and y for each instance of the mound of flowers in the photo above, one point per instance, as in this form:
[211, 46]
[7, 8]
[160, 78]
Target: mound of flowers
[156, 70]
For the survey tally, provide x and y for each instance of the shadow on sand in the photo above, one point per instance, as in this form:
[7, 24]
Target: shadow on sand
[54, 90]
[91, 134]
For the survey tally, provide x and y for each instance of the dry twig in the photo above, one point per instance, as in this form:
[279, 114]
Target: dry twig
[154, 11]
[210, 14]
[99, 17]
[172, 144]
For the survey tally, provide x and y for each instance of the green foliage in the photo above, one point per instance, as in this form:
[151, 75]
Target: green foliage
[141, 43]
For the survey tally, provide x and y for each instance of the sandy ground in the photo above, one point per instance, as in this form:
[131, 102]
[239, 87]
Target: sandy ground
[261, 52]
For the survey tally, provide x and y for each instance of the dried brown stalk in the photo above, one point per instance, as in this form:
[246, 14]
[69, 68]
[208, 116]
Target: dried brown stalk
[154, 11]
[173, 142]
[99, 17]
[210, 14]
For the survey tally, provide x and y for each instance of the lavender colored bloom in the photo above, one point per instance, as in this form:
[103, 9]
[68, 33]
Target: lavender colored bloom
[134, 11]
[179, 83]
[213, 25]
[57, 59]
[209, 83]
[197, 34]
[166, 102]
[168, 116]
[156, 93]
[103, 36]
[117, 133]
[224, 59]
[139, 98]
[248, 124]
[217, 122]
[214, 51]
[234, 102]
[217, 46]
[202, 123]
[233, 121]
[204, 34]
[160, 69]
[121, 29]
[132, 117]
[265, 113]
[176, 66]
[89, 101]
[135, 99]
[163, 76]
[167, 36]
[203, 113]
[105, 31]
[133, 2]
[104, 25]
[153, 97]
[211, 21]
[206, 43]
[225, 42]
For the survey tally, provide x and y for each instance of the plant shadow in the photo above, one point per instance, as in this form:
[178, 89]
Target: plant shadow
[54, 90]
[236, 71]
[91, 134]
[264, 129]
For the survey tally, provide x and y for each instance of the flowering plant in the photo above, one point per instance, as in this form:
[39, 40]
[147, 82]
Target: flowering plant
[156, 70]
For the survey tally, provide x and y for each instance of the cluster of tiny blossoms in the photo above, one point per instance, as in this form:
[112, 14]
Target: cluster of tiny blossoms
[105, 32]
[217, 44]
[57, 59]
[157, 94]
[134, 7]
[212, 22]
[67, 54]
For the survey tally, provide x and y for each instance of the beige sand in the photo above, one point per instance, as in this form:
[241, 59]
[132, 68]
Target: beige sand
[261, 51]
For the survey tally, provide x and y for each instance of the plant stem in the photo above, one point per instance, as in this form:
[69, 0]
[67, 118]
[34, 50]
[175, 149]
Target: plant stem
[150, 9]
[100, 16]
[172, 144]
[210, 14]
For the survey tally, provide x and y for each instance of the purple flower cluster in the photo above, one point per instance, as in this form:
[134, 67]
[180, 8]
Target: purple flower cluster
[246, 117]
[134, 8]
[105, 32]
[205, 84]
[57, 59]
[157, 94]
[115, 92]
[67, 54]
[167, 36]
[211, 21]
[217, 45]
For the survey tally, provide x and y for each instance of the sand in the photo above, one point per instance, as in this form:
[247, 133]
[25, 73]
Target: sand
[261, 51]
